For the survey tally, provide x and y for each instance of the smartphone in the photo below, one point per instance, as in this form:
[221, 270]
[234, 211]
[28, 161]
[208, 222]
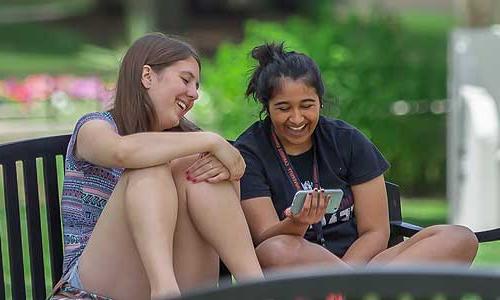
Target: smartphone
[335, 198]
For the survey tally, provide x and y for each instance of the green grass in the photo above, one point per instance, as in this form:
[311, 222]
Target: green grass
[426, 212]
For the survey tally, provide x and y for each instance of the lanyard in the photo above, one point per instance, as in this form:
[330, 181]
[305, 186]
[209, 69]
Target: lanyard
[294, 177]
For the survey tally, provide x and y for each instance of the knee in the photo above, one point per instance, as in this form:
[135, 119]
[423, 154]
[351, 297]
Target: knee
[462, 239]
[461, 234]
[159, 172]
[279, 251]
[466, 240]
[141, 180]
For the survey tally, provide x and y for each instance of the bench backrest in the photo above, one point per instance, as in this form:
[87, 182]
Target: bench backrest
[30, 172]
[24, 163]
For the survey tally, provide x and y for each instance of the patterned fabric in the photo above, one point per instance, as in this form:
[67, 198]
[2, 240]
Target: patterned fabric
[86, 190]
[63, 290]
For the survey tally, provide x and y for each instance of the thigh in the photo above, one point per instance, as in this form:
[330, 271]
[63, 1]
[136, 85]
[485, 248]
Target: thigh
[112, 266]
[291, 251]
[195, 261]
[435, 243]
[393, 252]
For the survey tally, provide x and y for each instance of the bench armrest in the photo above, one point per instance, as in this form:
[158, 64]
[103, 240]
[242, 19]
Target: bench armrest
[404, 229]
[488, 235]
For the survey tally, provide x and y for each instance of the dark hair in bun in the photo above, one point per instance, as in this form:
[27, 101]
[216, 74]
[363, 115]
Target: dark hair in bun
[275, 63]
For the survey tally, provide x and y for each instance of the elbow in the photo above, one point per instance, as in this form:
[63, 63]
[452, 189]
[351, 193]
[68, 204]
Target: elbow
[379, 237]
[260, 237]
[121, 154]
[385, 235]
[257, 240]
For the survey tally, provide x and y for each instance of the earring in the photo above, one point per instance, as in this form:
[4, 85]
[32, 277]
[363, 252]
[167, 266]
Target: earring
[321, 105]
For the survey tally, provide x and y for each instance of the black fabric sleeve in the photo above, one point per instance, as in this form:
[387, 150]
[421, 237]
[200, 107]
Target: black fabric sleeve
[253, 183]
[366, 161]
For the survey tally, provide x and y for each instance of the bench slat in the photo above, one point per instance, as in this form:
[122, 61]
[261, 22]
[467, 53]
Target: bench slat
[54, 217]
[394, 205]
[34, 229]
[2, 280]
[14, 231]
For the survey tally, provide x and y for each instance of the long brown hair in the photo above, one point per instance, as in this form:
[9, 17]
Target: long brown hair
[133, 110]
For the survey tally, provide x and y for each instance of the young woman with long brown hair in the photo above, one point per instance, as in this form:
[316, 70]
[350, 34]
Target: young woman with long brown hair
[148, 210]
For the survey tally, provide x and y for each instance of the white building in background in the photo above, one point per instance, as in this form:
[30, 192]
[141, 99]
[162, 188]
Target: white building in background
[473, 166]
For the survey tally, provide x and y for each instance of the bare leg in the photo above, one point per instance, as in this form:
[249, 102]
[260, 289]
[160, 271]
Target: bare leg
[215, 213]
[291, 251]
[196, 262]
[440, 243]
[129, 255]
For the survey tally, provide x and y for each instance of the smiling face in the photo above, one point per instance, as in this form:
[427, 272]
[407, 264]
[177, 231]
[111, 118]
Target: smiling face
[172, 90]
[294, 112]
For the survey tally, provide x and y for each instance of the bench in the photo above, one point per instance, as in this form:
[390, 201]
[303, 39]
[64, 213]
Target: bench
[438, 282]
[36, 166]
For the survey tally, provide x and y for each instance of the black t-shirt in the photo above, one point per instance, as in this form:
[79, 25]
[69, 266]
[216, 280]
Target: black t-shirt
[345, 158]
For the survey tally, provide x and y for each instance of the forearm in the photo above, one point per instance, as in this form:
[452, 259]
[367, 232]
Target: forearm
[366, 247]
[143, 150]
[286, 226]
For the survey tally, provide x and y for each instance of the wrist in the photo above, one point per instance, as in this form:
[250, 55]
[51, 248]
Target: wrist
[298, 222]
[213, 141]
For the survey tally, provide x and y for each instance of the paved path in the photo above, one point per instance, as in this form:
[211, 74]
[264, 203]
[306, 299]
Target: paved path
[12, 130]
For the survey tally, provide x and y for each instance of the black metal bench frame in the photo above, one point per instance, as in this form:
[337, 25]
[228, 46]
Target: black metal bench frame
[363, 283]
[47, 149]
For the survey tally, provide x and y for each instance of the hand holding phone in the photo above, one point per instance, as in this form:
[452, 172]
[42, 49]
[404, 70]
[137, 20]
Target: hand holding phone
[333, 204]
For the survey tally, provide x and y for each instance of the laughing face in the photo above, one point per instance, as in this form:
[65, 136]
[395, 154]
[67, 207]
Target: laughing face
[172, 90]
[294, 112]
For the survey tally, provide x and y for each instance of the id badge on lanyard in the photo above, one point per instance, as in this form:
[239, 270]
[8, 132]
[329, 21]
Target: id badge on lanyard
[294, 179]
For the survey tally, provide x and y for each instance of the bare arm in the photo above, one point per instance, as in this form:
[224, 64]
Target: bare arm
[372, 216]
[98, 143]
[264, 222]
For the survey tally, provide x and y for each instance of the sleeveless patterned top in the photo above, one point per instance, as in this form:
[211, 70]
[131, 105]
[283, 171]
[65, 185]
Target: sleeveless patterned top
[86, 190]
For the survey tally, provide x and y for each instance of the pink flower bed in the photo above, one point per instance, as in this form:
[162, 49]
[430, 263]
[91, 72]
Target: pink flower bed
[41, 87]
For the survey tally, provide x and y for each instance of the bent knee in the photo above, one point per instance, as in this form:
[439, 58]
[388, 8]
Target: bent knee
[280, 250]
[459, 233]
[464, 237]
[460, 238]
[158, 172]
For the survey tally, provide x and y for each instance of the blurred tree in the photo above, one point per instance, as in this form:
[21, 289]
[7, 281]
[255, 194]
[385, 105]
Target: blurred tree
[368, 64]
[140, 16]
[21, 11]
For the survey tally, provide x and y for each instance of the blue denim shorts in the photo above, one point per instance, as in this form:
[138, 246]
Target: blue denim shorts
[74, 277]
[70, 287]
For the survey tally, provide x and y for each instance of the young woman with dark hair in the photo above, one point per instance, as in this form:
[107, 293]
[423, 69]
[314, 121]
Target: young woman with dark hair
[148, 211]
[295, 148]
